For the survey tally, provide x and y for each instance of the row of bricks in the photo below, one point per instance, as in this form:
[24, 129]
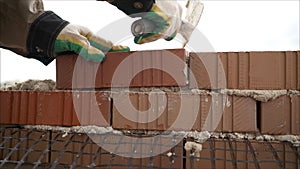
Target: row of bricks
[233, 70]
[152, 111]
[81, 151]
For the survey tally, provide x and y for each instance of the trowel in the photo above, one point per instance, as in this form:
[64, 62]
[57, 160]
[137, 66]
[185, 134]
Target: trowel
[188, 25]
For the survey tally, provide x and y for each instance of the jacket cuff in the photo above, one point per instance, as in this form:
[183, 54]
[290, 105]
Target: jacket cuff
[133, 8]
[42, 35]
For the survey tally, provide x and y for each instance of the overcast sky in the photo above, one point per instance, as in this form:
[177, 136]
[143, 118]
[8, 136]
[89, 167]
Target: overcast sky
[228, 25]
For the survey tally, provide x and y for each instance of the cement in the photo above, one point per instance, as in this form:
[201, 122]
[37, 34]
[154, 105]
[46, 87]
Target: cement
[75, 129]
[199, 137]
[294, 139]
[196, 148]
[294, 92]
[197, 91]
[32, 85]
[259, 95]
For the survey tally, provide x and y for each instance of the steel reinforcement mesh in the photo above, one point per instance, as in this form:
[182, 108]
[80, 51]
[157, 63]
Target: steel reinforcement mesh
[31, 148]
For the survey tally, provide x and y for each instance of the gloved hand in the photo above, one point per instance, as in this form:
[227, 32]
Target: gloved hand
[166, 15]
[83, 42]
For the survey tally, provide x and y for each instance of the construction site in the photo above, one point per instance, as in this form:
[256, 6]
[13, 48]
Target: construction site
[185, 107]
[186, 116]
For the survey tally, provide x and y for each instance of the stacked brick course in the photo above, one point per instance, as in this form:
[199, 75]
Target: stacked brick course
[202, 80]
[208, 71]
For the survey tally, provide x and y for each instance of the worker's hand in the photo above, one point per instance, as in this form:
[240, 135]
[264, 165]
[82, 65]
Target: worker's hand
[166, 15]
[83, 42]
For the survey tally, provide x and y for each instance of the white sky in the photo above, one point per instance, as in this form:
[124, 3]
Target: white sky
[228, 25]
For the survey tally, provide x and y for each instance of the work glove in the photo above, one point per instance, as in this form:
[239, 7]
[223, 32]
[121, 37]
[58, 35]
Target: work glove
[83, 42]
[166, 15]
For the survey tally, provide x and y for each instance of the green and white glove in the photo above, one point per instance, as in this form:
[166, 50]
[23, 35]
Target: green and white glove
[82, 41]
[166, 15]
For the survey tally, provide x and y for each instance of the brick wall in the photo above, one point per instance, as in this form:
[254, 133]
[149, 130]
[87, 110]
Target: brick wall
[168, 90]
[233, 70]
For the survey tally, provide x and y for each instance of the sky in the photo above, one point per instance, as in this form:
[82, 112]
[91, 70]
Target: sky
[228, 25]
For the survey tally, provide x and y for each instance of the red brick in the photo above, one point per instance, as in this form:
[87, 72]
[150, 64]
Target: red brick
[281, 116]
[295, 116]
[135, 117]
[69, 116]
[183, 112]
[92, 108]
[244, 114]
[17, 107]
[5, 107]
[55, 108]
[205, 68]
[267, 70]
[211, 112]
[246, 70]
[119, 121]
[226, 123]
[276, 116]
[50, 108]
[203, 122]
[105, 71]
[202, 111]
[233, 69]
[16, 102]
[235, 114]
[237, 69]
[291, 69]
[32, 108]
[171, 106]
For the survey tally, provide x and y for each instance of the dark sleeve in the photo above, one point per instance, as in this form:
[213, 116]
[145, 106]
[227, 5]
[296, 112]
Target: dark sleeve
[42, 34]
[133, 8]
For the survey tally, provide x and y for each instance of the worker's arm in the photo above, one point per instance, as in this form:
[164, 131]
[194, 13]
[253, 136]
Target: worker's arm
[132, 7]
[28, 30]
[165, 14]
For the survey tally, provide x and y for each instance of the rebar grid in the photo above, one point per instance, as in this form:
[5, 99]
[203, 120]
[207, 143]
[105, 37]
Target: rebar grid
[31, 148]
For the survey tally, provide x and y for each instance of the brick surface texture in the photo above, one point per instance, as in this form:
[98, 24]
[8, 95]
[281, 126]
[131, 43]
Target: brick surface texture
[123, 69]
[281, 116]
[54, 108]
[246, 70]
[184, 112]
